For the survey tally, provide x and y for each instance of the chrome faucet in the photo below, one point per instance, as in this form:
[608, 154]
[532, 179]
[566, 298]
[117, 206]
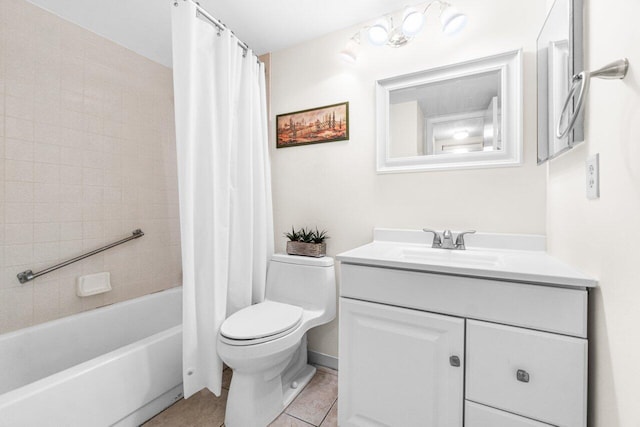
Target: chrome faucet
[445, 241]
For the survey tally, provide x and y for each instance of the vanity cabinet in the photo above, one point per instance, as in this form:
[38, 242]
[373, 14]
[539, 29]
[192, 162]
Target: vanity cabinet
[440, 350]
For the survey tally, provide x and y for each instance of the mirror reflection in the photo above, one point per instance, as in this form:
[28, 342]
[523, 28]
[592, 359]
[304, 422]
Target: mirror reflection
[457, 115]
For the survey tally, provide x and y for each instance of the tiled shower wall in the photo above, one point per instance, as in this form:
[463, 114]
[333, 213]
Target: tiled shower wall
[87, 154]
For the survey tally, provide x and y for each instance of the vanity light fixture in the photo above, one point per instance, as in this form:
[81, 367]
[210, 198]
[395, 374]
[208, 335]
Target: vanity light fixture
[383, 31]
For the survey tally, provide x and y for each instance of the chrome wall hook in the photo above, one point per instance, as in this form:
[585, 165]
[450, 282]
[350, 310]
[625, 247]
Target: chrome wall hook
[580, 85]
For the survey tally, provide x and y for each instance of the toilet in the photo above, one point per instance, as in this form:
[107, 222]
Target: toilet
[266, 344]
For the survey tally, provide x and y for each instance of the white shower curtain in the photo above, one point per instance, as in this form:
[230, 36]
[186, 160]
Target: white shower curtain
[224, 185]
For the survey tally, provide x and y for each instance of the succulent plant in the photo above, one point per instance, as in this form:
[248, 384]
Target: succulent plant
[319, 236]
[293, 236]
[306, 235]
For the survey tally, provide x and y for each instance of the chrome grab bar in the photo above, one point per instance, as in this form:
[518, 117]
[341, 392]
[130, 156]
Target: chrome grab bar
[615, 70]
[28, 275]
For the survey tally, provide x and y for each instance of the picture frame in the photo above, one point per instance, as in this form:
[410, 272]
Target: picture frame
[328, 123]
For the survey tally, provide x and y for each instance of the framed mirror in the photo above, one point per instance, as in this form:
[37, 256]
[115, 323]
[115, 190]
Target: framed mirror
[460, 116]
[559, 57]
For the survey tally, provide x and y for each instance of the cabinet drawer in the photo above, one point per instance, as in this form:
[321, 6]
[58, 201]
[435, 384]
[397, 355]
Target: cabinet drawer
[476, 415]
[534, 374]
[543, 308]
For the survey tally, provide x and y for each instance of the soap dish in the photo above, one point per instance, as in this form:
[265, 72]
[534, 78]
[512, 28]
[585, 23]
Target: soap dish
[93, 284]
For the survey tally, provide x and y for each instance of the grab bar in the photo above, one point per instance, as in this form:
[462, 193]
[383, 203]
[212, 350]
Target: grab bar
[29, 275]
[616, 70]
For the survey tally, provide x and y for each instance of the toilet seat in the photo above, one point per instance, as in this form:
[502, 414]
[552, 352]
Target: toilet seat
[260, 322]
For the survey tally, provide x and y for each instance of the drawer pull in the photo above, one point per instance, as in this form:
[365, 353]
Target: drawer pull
[522, 376]
[454, 361]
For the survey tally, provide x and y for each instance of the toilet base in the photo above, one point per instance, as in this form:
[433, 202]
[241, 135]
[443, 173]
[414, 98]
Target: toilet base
[301, 380]
[256, 399]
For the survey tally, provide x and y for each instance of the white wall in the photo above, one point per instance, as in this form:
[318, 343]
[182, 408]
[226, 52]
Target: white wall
[600, 236]
[335, 186]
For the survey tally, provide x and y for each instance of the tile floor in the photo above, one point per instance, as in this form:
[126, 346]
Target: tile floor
[315, 406]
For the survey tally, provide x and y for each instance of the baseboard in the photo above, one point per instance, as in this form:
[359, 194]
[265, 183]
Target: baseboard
[317, 358]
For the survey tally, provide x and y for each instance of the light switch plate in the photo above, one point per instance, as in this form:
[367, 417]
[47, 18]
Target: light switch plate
[593, 177]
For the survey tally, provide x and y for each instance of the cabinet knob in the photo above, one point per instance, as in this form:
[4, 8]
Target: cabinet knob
[522, 376]
[454, 361]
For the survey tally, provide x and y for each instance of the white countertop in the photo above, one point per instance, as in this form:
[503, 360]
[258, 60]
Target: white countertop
[520, 258]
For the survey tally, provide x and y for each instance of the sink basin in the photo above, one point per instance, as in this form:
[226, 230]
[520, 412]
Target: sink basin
[453, 257]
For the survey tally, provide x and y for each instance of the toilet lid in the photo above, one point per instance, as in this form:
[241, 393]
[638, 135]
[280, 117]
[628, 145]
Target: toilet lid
[261, 320]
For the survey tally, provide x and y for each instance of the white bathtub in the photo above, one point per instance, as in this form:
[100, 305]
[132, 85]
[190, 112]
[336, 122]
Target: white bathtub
[117, 365]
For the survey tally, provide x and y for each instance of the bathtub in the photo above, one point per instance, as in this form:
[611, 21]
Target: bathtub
[117, 365]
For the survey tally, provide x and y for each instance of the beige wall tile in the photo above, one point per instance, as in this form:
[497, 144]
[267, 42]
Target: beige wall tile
[46, 300]
[18, 233]
[16, 307]
[46, 153]
[18, 170]
[86, 156]
[46, 173]
[18, 150]
[18, 191]
[17, 212]
[18, 254]
[18, 128]
[46, 232]
[46, 252]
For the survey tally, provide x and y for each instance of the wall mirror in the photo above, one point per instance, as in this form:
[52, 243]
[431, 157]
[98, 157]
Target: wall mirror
[559, 57]
[465, 115]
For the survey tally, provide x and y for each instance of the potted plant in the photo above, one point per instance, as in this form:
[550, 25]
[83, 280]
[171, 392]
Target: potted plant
[307, 242]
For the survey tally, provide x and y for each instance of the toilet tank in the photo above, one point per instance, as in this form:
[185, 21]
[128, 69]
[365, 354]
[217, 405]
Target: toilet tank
[307, 282]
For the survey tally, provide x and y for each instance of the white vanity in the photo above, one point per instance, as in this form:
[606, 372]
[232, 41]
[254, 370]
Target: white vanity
[491, 336]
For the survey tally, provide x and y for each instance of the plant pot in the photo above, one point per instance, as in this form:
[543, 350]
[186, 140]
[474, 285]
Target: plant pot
[307, 249]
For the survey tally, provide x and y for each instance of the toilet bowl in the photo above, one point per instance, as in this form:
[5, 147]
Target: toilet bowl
[266, 344]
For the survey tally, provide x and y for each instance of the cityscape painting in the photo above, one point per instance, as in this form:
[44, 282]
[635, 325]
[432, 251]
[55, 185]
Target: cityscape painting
[322, 124]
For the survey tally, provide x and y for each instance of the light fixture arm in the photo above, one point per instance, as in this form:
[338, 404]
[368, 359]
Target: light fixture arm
[443, 5]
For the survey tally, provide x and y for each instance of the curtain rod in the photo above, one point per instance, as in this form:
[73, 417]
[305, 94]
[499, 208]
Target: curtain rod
[202, 13]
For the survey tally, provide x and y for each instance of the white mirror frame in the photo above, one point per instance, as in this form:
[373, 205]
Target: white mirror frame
[510, 66]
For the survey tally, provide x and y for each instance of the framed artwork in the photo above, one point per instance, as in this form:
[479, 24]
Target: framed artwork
[322, 124]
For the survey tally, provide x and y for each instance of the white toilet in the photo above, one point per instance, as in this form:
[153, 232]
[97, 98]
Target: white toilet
[266, 344]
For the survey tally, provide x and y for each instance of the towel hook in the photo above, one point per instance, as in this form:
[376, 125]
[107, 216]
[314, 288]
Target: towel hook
[580, 82]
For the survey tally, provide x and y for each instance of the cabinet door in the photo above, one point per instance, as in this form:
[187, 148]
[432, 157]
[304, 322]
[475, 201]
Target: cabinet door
[399, 367]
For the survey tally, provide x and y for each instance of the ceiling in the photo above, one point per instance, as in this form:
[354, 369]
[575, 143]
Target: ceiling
[144, 26]
[452, 96]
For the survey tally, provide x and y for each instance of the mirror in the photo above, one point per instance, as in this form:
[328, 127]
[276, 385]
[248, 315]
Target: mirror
[465, 115]
[559, 57]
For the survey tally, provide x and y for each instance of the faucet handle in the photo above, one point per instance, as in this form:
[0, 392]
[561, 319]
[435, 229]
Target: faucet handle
[437, 240]
[460, 239]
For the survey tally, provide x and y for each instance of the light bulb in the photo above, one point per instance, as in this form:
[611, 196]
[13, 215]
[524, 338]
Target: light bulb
[452, 20]
[463, 134]
[412, 21]
[350, 52]
[378, 33]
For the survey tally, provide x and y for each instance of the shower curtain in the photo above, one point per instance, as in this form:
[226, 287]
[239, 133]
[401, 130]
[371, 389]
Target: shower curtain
[224, 185]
